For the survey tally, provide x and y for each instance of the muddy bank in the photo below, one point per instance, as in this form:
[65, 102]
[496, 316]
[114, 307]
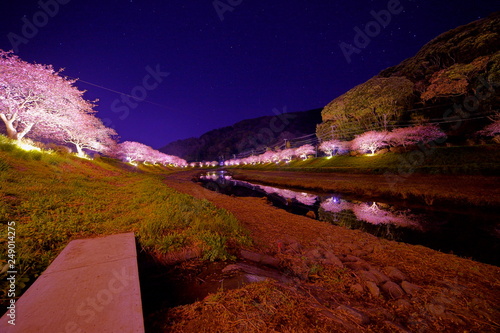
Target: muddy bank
[429, 190]
[341, 280]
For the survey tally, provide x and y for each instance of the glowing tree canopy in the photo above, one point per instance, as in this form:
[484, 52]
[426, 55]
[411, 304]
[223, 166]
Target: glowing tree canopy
[412, 135]
[492, 129]
[330, 146]
[370, 141]
[304, 151]
[34, 97]
[132, 152]
[87, 132]
[287, 154]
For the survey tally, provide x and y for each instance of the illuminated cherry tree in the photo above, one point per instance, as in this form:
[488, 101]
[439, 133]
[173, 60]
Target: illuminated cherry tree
[287, 154]
[330, 146]
[370, 141]
[305, 150]
[412, 135]
[34, 98]
[86, 132]
[132, 151]
[492, 129]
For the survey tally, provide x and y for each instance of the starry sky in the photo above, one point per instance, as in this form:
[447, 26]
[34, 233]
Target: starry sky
[168, 70]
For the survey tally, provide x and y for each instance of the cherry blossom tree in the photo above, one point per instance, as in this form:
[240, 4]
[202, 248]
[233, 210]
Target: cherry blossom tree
[370, 141]
[330, 146]
[412, 135]
[492, 129]
[132, 151]
[34, 98]
[304, 151]
[287, 154]
[86, 132]
[267, 157]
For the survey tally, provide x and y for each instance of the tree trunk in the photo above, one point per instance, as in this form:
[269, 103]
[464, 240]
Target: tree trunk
[9, 124]
[79, 150]
[25, 131]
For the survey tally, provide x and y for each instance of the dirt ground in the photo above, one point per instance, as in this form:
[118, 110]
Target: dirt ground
[343, 280]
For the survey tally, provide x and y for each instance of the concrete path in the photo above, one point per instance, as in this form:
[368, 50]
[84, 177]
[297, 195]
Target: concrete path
[92, 286]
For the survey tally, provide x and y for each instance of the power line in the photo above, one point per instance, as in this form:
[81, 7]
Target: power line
[121, 93]
[294, 141]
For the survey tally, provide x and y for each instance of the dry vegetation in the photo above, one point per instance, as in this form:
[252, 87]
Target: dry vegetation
[331, 289]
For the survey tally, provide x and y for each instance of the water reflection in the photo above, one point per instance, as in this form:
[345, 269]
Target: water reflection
[375, 213]
[471, 234]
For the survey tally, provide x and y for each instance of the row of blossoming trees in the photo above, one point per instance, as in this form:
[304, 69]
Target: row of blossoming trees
[38, 103]
[366, 143]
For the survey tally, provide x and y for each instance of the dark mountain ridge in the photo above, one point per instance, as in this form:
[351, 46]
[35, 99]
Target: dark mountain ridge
[246, 135]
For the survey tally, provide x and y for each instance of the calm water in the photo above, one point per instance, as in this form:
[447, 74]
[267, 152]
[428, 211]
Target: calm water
[472, 234]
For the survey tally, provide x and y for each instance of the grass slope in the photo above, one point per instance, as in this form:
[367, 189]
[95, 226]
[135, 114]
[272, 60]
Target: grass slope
[54, 198]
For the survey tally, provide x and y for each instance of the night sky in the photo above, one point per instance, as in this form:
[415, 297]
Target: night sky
[208, 72]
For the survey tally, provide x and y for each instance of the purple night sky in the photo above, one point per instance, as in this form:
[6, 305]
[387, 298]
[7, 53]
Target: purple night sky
[260, 56]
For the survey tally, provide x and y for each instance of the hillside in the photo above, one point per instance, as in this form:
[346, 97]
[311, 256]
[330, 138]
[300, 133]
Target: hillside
[257, 133]
[54, 197]
[450, 81]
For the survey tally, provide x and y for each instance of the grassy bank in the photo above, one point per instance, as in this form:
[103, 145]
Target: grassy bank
[54, 198]
[474, 160]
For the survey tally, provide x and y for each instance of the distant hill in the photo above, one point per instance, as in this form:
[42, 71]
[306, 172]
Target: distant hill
[451, 81]
[257, 133]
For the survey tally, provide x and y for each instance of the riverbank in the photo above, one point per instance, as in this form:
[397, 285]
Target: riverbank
[343, 280]
[424, 189]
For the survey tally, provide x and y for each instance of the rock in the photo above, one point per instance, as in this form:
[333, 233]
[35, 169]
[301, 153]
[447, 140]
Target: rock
[393, 327]
[436, 309]
[349, 258]
[374, 276]
[314, 254]
[353, 153]
[382, 151]
[392, 289]
[231, 268]
[311, 214]
[252, 256]
[367, 276]
[356, 288]
[357, 316]
[403, 304]
[395, 274]
[269, 261]
[372, 288]
[332, 259]
[260, 258]
[410, 288]
[357, 266]
[380, 277]
[263, 273]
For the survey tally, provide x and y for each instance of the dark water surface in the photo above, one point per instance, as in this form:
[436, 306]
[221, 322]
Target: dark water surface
[469, 233]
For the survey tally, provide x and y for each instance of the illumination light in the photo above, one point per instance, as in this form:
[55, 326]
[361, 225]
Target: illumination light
[26, 146]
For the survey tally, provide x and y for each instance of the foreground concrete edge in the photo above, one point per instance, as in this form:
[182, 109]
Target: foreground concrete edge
[92, 286]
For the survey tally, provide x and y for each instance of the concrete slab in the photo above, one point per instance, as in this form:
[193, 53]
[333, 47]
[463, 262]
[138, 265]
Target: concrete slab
[92, 286]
